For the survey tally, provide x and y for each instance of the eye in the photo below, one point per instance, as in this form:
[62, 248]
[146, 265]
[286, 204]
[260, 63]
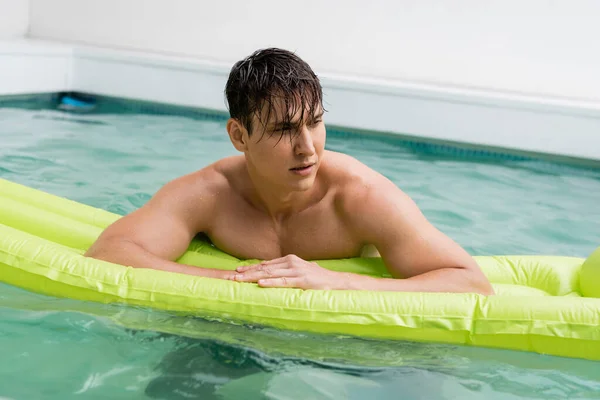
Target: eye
[285, 128]
[315, 122]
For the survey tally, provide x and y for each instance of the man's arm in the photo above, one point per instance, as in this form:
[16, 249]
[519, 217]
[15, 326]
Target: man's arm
[158, 233]
[382, 215]
[411, 247]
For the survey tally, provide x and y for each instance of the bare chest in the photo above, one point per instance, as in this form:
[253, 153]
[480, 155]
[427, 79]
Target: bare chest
[316, 233]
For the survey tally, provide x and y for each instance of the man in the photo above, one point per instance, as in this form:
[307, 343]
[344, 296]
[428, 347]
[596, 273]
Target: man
[286, 200]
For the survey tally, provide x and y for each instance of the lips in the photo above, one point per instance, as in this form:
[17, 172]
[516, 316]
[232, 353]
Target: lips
[302, 167]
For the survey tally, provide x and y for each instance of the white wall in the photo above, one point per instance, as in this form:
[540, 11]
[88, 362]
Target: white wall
[540, 47]
[516, 53]
[14, 18]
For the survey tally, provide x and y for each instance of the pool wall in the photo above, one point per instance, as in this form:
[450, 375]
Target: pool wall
[511, 76]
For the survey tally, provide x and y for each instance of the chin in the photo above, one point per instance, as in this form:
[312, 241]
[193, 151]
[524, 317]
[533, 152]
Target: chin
[303, 185]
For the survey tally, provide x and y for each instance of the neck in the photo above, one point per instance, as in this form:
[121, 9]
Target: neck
[277, 201]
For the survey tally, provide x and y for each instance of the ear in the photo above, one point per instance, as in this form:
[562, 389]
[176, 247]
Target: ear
[237, 134]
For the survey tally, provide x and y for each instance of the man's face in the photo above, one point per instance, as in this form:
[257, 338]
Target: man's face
[286, 153]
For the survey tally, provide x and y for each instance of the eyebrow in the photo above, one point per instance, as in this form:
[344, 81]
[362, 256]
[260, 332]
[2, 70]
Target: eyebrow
[293, 124]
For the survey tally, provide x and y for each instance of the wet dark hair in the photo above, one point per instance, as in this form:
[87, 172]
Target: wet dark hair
[266, 76]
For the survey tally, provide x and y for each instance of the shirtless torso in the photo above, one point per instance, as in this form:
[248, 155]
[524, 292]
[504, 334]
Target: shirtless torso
[288, 201]
[322, 229]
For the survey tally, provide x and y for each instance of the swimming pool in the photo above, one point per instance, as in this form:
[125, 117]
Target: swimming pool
[117, 156]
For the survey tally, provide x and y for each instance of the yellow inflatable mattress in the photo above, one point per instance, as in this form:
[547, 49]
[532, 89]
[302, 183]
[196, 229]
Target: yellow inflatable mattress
[544, 304]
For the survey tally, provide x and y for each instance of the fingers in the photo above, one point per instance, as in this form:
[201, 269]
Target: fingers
[281, 282]
[253, 275]
[279, 272]
[262, 265]
[288, 261]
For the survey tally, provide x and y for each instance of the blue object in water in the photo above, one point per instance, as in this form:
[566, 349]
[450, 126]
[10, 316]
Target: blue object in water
[73, 103]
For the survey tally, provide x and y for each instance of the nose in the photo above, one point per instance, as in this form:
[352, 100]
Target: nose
[303, 143]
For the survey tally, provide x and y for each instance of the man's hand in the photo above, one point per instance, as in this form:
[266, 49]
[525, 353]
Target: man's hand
[290, 272]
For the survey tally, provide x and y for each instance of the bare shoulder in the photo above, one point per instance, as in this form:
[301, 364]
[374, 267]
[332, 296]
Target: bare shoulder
[179, 210]
[193, 196]
[370, 204]
[358, 187]
[199, 185]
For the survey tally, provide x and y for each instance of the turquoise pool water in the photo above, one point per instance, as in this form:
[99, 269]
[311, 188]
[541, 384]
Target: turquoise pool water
[117, 157]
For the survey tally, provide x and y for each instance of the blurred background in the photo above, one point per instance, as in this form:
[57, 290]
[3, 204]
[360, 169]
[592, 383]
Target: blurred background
[537, 47]
[510, 74]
